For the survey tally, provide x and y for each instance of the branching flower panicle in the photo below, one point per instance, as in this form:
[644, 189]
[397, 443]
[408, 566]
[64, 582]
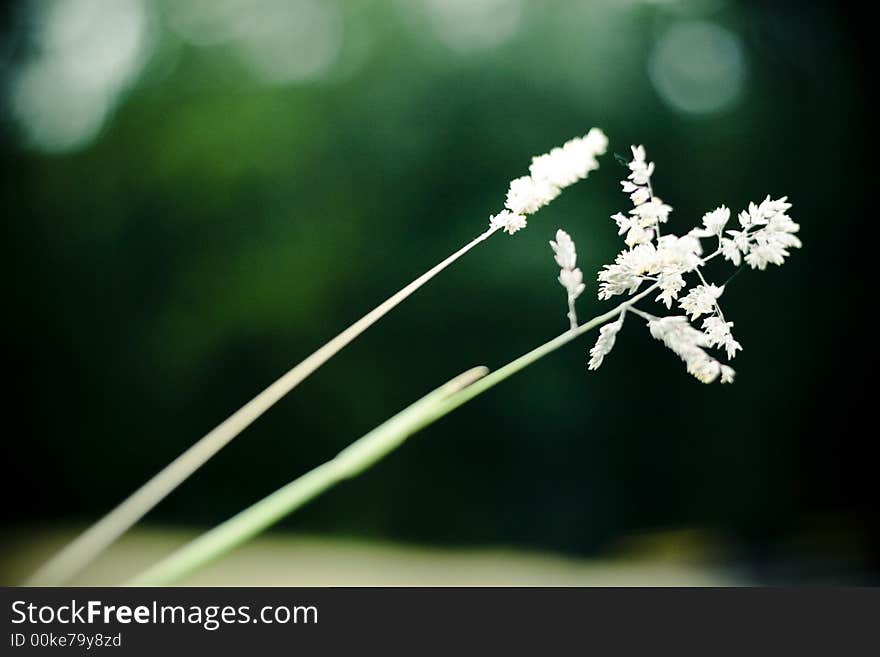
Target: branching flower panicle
[765, 237]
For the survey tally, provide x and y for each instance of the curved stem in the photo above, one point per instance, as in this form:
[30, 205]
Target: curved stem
[91, 543]
[353, 460]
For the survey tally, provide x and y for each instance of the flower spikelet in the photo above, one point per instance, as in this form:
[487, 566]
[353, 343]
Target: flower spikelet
[508, 221]
[688, 344]
[605, 342]
[565, 254]
[549, 174]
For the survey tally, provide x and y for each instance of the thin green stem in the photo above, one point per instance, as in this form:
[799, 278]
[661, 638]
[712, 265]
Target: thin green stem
[642, 314]
[492, 379]
[73, 558]
[353, 460]
[348, 463]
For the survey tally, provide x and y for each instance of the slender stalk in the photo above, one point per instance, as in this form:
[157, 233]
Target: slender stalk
[348, 463]
[572, 313]
[91, 543]
[454, 401]
[353, 460]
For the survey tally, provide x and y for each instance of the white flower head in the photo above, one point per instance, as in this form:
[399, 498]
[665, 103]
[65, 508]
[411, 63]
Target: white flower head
[701, 300]
[718, 335]
[641, 225]
[734, 246]
[760, 214]
[727, 374]
[688, 344]
[595, 141]
[770, 245]
[565, 165]
[573, 282]
[570, 277]
[550, 174]
[676, 332]
[605, 342]
[768, 234]
[628, 271]
[670, 284]
[680, 253]
[652, 212]
[640, 171]
[564, 250]
[713, 222]
[565, 254]
[637, 193]
[555, 168]
[527, 195]
[705, 368]
[675, 256]
[635, 233]
[508, 221]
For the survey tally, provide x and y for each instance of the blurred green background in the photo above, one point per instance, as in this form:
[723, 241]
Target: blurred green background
[197, 194]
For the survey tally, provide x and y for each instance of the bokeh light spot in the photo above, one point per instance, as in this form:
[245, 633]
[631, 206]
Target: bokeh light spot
[698, 67]
[279, 41]
[86, 54]
[297, 42]
[466, 25]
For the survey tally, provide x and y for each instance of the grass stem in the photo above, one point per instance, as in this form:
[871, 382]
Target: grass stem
[78, 554]
[353, 460]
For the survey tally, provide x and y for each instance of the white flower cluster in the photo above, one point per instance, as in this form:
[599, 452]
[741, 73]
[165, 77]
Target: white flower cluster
[549, 175]
[603, 346]
[508, 221]
[688, 344]
[570, 276]
[701, 300]
[663, 261]
[767, 234]
[648, 211]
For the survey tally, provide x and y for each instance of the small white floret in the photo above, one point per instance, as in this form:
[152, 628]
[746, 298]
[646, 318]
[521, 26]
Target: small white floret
[508, 221]
[718, 335]
[727, 374]
[605, 343]
[713, 222]
[701, 300]
[527, 195]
